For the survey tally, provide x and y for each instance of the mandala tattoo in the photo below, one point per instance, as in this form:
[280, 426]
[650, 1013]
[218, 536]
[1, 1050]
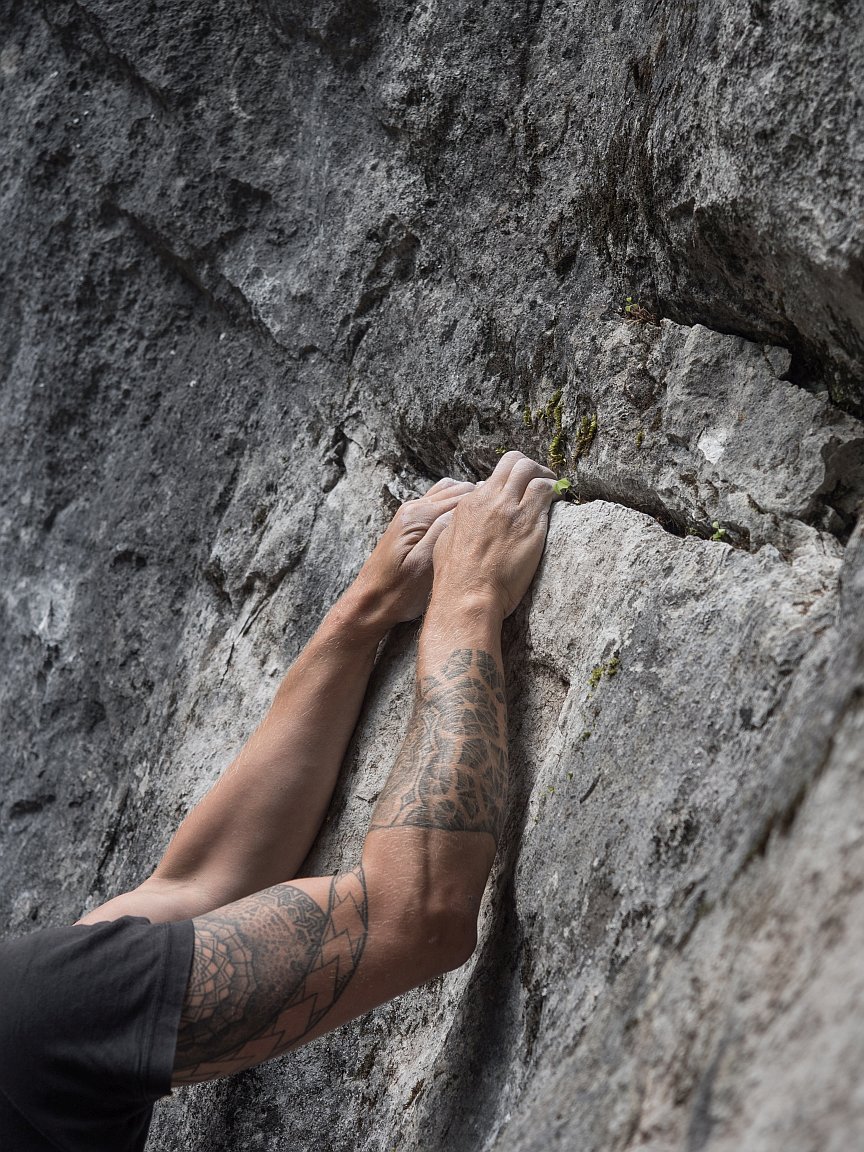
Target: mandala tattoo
[451, 773]
[265, 972]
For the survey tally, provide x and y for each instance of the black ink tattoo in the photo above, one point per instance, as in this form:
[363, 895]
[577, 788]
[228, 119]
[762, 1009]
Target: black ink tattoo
[451, 772]
[264, 974]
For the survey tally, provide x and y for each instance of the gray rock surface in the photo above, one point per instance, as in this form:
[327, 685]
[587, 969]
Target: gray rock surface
[270, 268]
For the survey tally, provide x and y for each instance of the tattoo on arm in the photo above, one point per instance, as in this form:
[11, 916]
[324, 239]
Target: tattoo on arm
[451, 772]
[268, 969]
[265, 972]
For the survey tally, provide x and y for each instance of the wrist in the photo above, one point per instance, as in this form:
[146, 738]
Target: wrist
[361, 615]
[467, 621]
[479, 606]
[468, 598]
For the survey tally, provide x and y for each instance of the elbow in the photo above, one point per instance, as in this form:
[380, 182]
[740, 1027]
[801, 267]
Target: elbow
[460, 950]
[426, 907]
[444, 938]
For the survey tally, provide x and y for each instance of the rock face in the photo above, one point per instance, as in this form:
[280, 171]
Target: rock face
[272, 267]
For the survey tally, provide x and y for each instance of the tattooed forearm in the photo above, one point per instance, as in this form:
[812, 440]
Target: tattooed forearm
[265, 972]
[452, 770]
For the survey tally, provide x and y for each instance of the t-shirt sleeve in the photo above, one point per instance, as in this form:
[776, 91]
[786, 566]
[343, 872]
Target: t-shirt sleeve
[88, 1027]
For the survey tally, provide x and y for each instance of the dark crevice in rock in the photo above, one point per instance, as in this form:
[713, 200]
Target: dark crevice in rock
[835, 508]
[671, 520]
[112, 838]
[79, 31]
[460, 436]
[197, 269]
[812, 369]
[434, 458]
[30, 805]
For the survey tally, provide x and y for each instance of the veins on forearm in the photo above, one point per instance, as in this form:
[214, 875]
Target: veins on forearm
[451, 772]
[265, 974]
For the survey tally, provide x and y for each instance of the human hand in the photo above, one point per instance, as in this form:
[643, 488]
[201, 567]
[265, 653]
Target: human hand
[395, 581]
[495, 537]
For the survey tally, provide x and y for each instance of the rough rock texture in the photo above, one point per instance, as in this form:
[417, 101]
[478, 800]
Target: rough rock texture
[269, 268]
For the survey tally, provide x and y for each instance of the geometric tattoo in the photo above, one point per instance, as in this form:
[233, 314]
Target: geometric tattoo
[451, 772]
[265, 971]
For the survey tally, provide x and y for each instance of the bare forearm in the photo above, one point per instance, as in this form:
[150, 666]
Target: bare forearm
[304, 735]
[287, 769]
[409, 912]
[256, 825]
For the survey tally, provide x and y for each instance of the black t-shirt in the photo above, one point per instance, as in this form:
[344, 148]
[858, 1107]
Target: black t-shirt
[88, 1031]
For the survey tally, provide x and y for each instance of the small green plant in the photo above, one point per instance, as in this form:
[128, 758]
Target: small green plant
[636, 313]
[553, 403]
[555, 412]
[585, 433]
[555, 452]
[552, 413]
[640, 437]
[719, 532]
[611, 668]
[562, 486]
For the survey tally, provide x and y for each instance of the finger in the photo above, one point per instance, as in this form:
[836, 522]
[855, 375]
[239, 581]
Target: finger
[539, 494]
[454, 490]
[523, 472]
[438, 508]
[444, 482]
[423, 551]
[437, 528]
[503, 469]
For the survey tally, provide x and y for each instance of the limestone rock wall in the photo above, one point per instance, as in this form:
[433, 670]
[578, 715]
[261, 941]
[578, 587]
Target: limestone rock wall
[271, 267]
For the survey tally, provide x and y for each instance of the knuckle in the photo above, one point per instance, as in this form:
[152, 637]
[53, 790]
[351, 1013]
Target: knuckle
[525, 467]
[513, 454]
